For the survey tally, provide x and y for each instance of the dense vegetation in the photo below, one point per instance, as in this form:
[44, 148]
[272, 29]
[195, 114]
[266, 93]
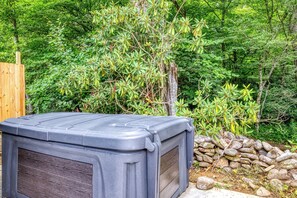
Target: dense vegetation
[235, 62]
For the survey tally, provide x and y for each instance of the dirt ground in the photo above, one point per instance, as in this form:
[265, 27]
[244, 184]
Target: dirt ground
[233, 181]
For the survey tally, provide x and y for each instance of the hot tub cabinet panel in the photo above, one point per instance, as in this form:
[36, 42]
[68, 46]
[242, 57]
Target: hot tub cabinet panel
[96, 155]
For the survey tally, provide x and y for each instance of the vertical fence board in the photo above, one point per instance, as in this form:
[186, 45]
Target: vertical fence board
[22, 90]
[12, 91]
[1, 92]
[6, 91]
[17, 91]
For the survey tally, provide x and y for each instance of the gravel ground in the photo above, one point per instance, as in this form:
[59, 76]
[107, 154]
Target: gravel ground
[193, 192]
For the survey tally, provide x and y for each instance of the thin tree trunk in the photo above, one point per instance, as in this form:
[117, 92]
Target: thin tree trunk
[269, 13]
[172, 89]
[223, 45]
[29, 107]
[178, 8]
[293, 30]
[261, 86]
[15, 33]
[264, 100]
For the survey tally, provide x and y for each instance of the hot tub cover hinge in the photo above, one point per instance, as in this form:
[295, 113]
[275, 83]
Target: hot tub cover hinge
[151, 145]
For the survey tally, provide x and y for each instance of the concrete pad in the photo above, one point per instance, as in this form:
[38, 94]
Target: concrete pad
[193, 192]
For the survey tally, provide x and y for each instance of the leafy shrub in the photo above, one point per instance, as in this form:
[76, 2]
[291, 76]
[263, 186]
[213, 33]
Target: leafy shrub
[128, 59]
[278, 132]
[232, 109]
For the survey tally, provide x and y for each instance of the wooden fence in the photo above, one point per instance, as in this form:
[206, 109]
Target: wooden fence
[12, 90]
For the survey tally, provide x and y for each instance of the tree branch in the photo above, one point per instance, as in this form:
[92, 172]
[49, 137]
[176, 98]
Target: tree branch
[213, 10]
[182, 12]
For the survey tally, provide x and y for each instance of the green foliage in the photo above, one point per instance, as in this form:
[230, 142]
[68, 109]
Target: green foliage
[113, 57]
[232, 109]
[131, 50]
[245, 35]
[280, 133]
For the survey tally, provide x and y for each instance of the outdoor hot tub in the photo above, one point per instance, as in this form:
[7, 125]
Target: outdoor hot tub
[96, 155]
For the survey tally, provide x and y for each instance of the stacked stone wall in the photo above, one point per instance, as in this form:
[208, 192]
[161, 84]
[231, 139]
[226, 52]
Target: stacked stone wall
[232, 152]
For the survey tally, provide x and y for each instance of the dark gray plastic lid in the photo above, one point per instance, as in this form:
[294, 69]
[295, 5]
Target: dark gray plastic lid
[117, 132]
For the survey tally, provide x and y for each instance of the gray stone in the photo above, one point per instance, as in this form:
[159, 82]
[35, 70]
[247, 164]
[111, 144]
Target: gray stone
[221, 163]
[258, 145]
[205, 183]
[242, 137]
[273, 174]
[267, 146]
[250, 156]
[196, 145]
[276, 184]
[204, 164]
[199, 158]
[247, 150]
[227, 169]
[231, 152]
[203, 150]
[269, 168]
[207, 145]
[229, 135]
[220, 143]
[250, 182]
[246, 166]
[259, 163]
[208, 159]
[262, 152]
[289, 164]
[236, 145]
[227, 141]
[263, 192]
[284, 156]
[265, 159]
[287, 151]
[201, 138]
[245, 160]
[210, 154]
[253, 186]
[293, 183]
[196, 151]
[272, 154]
[293, 172]
[219, 151]
[248, 143]
[216, 156]
[223, 143]
[234, 159]
[234, 165]
[279, 152]
[247, 180]
[283, 174]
